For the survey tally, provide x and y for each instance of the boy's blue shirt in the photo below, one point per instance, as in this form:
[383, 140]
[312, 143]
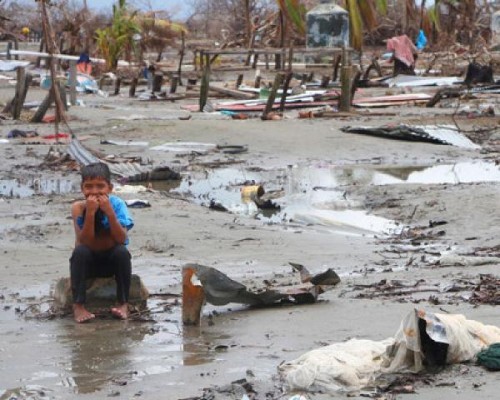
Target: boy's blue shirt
[121, 212]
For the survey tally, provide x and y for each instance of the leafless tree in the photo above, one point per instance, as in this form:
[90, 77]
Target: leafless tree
[221, 19]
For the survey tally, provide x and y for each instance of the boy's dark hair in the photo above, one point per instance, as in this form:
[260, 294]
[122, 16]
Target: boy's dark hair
[96, 170]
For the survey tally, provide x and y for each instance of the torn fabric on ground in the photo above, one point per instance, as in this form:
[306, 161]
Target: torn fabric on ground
[422, 339]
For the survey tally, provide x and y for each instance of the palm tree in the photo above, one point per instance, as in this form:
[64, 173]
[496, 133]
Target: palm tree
[362, 14]
[118, 38]
[295, 12]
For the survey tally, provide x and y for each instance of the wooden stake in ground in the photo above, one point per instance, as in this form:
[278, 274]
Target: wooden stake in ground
[205, 79]
[174, 81]
[181, 53]
[286, 85]
[239, 81]
[345, 81]
[272, 95]
[72, 82]
[133, 86]
[21, 90]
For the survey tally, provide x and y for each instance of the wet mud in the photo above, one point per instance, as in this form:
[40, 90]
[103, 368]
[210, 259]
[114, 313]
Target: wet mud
[360, 205]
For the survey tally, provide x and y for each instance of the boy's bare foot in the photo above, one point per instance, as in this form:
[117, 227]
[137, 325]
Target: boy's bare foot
[120, 311]
[80, 313]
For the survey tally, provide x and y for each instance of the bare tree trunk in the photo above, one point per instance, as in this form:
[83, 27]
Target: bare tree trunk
[248, 23]
[181, 58]
[88, 33]
[422, 13]
[51, 49]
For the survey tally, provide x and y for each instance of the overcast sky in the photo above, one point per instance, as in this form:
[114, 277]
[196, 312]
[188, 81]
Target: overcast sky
[176, 8]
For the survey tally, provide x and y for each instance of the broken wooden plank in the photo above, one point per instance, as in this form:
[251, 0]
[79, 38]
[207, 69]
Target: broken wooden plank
[237, 94]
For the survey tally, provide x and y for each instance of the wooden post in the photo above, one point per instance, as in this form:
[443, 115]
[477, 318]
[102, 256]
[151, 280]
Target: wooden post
[345, 81]
[173, 84]
[239, 81]
[336, 64]
[355, 83]
[195, 59]
[150, 75]
[290, 56]
[61, 46]
[27, 83]
[40, 50]
[249, 57]
[205, 79]
[257, 81]
[16, 47]
[157, 82]
[133, 86]
[266, 57]
[9, 48]
[202, 59]
[181, 59]
[277, 61]
[207, 61]
[72, 82]
[288, 78]
[255, 59]
[118, 83]
[18, 102]
[272, 95]
[62, 92]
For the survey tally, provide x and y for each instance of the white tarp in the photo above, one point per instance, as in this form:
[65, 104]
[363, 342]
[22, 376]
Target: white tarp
[355, 364]
[339, 367]
[411, 80]
[185, 147]
[11, 65]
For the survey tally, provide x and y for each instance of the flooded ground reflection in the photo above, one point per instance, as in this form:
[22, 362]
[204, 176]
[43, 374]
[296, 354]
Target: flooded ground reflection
[20, 188]
[316, 194]
[87, 358]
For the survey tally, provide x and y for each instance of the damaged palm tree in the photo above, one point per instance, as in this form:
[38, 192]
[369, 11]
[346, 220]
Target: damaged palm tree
[118, 38]
[202, 284]
[363, 14]
[158, 33]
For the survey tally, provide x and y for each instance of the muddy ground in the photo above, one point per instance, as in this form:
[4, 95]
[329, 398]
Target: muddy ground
[380, 212]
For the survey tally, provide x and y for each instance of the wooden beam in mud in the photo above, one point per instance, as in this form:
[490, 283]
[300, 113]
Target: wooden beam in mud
[237, 94]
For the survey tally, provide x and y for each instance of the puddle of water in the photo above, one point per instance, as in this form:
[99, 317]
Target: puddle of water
[300, 201]
[314, 195]
[86, 358]
[18, 188]
[465, 172]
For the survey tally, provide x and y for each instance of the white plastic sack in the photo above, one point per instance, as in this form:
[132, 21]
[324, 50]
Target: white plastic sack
[346, 366]
[465, 338]
[355, 364]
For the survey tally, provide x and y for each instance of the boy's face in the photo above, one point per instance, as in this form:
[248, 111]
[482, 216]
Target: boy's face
[96, 187]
